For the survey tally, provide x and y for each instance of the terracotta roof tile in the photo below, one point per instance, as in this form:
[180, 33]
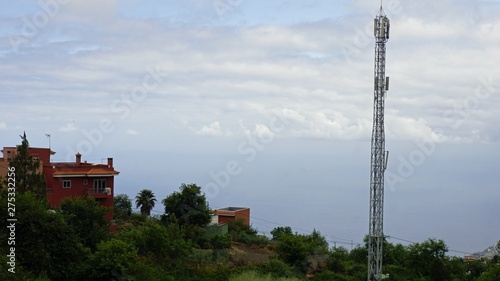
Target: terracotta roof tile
[66, 169]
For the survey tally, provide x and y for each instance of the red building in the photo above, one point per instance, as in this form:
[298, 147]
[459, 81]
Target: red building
[71, 179]
[232, 213]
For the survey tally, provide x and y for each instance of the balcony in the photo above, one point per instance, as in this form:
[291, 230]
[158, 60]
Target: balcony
[98, 192]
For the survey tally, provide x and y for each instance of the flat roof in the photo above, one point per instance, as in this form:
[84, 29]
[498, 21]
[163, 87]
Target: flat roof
[233, 209]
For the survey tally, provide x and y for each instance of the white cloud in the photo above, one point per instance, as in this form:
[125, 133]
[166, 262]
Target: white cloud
[131, 132]
[68, 128]
[3, 126]
[240, 72]
[213, 129]
[261, 131]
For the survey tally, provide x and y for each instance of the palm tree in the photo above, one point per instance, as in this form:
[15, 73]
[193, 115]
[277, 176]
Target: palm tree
[145, 199]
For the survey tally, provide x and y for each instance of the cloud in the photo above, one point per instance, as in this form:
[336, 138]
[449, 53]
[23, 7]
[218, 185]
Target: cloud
[131, 132]
[68, 128]
[245, 72]
[3, 126]
[91, 11]
[213, 129]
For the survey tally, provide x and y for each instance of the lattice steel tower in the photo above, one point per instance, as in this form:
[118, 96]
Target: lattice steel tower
[378, 153]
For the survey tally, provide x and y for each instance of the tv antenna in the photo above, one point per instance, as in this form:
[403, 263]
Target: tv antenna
[48, 136]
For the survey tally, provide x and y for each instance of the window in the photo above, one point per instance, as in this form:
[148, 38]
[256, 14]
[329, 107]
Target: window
[85, 182]
[99, 184]
[8, 155]
[36, 158]
[66, 184]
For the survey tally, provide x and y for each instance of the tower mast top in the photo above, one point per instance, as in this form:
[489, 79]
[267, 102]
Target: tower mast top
[381, 10]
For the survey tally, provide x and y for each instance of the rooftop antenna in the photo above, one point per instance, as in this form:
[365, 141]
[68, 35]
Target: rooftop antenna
[378, 154]
[48, 136]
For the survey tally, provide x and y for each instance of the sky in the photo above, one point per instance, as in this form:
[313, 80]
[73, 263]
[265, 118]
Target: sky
[268, 105]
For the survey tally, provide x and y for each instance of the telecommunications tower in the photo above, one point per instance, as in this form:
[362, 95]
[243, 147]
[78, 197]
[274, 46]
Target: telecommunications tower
[378, 153]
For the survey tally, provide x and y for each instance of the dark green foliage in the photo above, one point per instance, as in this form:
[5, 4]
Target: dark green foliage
[28, 171]
[74, 244]
[20, 273]
[246, 234]
[427, 259]
[113, 260]
[122, 206]
[317, 243]
[359, 255]
[45, 243]
[137, 219]
[86, 217]
[330, 276]
[149, 269]
[220, 241]
[276, 268]
[239, 225]
[187, 207]
[146, 201]
[337, 260]
[211, 273]
[294, 249]
[163, 243]
[492, 274]
[280, 231]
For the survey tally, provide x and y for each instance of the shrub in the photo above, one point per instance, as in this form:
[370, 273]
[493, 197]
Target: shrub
[329, 276]
[255, 276]
[113, 259]
[276, 268]
[220, 242]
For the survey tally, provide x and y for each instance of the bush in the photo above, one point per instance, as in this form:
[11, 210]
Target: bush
[113, 259]
[243, 233]
[137, 218]
[276, 268]
[329, 276]
[220, 242]
[255, 276]
[147, 269]
[155, 240]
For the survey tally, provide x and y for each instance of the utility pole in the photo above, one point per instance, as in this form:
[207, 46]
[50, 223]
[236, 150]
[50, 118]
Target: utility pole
[378, 154]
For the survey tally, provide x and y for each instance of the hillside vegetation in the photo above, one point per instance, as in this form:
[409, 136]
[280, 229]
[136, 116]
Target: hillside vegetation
[73, 243]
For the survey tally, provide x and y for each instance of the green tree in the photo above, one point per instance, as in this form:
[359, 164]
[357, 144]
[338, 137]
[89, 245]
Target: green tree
[428, 259]
[122, 206]
[28, 173]
[337, 260]
[188, 207]
[45, 244]
[359, 255]
[295, 249]
[241, 232]
[87, 219]
[317, 243]
[280, 231]
[162, 243]
[113, 260]
[146, 201]
[492, 274]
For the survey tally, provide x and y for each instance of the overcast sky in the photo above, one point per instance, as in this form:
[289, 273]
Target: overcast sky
[268, 104]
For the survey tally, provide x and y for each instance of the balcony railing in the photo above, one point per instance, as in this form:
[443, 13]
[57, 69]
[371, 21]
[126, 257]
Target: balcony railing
[99, 191]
